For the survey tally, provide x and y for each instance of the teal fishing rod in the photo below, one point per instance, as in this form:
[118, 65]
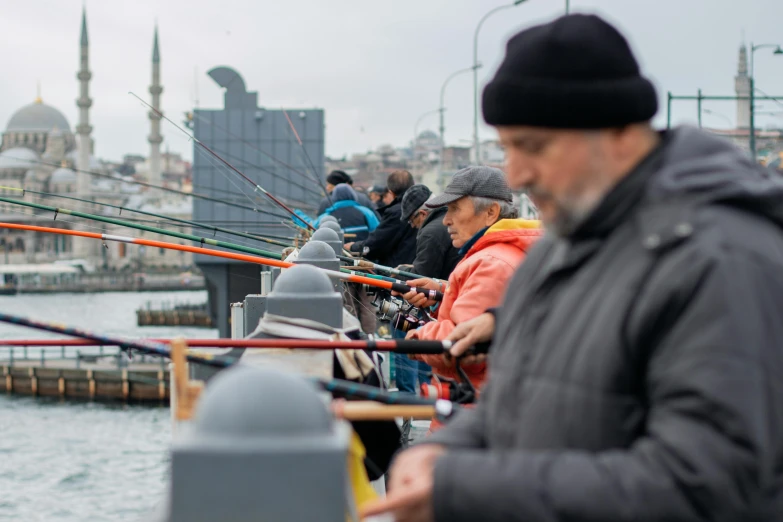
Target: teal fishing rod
[153, 214]
[163, 231]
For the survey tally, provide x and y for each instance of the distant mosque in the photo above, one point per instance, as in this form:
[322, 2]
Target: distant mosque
[40, 152]
[769, 142]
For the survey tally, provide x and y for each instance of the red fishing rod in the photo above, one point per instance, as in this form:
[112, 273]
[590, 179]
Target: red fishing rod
[351, 278]
[256, 186]
[397, 345]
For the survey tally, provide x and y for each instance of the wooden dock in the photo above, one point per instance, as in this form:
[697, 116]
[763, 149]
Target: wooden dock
[100, 380]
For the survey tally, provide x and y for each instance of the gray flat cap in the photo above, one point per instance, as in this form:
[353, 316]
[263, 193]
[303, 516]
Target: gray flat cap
[485, 182]
[413, 199]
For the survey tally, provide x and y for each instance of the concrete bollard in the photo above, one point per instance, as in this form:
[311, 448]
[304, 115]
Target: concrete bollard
[333, 225]
[330, 237]
[321, 255]
[305, 292]
[262, 446]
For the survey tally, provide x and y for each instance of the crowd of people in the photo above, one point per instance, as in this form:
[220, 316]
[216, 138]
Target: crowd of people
[635, 369]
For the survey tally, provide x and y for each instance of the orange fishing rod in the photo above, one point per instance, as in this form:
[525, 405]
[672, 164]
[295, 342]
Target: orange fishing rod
[351, 278]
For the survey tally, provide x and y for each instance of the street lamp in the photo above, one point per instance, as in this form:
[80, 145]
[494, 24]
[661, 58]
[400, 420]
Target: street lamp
[442, 109]
[753, 49]
[416, 133]
[475, 73]
[708, 111]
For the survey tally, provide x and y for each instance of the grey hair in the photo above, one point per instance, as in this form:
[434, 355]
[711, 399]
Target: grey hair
[507, 210]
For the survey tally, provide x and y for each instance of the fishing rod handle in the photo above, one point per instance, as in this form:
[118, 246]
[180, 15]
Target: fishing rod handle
[404, 289]
[414, 346]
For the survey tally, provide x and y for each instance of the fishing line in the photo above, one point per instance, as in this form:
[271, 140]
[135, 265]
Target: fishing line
[304, 149]
[247, 143]
[257, 187]
[121, 180]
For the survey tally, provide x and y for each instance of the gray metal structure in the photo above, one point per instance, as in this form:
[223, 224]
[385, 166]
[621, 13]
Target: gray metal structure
[305, 292]
[258, 142]
[263, 447]
[333, 225]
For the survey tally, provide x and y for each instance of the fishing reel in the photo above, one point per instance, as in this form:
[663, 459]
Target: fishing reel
[459, 390]
[387, 305]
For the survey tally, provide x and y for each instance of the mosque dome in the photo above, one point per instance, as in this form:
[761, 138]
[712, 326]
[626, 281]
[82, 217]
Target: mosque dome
[37, 117]
[63, 175]
[18, 158]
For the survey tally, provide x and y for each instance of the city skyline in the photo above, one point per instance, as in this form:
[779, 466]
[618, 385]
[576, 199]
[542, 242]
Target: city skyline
[372, 93]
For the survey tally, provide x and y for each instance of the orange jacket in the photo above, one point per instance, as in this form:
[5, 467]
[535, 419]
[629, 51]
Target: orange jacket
[478, 282]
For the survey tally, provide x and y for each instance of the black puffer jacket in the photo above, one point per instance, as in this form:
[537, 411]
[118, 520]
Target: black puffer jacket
[637, 367]
[435, 255]
[393, 243]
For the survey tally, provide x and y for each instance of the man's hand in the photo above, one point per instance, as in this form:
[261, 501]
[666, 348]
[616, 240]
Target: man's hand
[416, 299]
[347, 246]
[410, 486]
[476, 330]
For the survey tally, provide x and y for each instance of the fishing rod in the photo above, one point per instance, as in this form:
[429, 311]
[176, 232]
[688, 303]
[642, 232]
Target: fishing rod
[138, 226]
[369, 264]
[375, 281]
[249, 144]
[316, 177]
[195, 195]
[153, 214]
[336, 386]
[256, 186]
[163, 231]
[406, 346]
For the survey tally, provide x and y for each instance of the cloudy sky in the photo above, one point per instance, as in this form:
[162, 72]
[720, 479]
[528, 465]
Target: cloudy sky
[374, 66]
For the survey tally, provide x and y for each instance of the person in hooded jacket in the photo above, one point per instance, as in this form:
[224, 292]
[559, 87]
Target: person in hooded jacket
[353, 218]
[481, 221]
[335, 178]
[636, 361]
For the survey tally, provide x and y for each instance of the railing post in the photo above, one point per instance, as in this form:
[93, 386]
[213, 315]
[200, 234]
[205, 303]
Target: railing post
[11, 357]
[25, 352]
[62, 351]
[43, 356]
[78, 359]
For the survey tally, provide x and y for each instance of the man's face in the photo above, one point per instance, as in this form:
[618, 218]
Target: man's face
[388, 197]
[418, 218]
[329, 187]
[374, 197]
[463, 222]
[564, 172]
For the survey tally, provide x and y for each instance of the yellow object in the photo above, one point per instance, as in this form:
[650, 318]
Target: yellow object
[360, 483]
[514, 224]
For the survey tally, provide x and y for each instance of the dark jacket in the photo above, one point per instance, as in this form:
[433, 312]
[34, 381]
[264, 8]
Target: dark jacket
[393, 242]
[636, 369]
[435, 255]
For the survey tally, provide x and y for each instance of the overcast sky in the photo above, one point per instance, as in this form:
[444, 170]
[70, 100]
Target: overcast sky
[374, 66]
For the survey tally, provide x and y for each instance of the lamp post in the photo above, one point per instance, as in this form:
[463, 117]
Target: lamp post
[713, 113]
[416, 134]
[753, 49]
[442, 109]
[475, 73]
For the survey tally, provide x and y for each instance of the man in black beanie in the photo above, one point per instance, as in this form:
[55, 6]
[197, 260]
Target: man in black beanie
[636, 361]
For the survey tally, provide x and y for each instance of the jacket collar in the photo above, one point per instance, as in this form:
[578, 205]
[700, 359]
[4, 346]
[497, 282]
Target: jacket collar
[620, 201]
[472, 241]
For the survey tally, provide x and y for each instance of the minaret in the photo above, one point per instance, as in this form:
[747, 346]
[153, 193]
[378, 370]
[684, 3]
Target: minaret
[742, 88]
[155, 138]
[84, 102]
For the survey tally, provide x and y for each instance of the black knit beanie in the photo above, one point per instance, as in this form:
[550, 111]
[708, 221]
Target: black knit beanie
[576, 72]
[338, 176]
